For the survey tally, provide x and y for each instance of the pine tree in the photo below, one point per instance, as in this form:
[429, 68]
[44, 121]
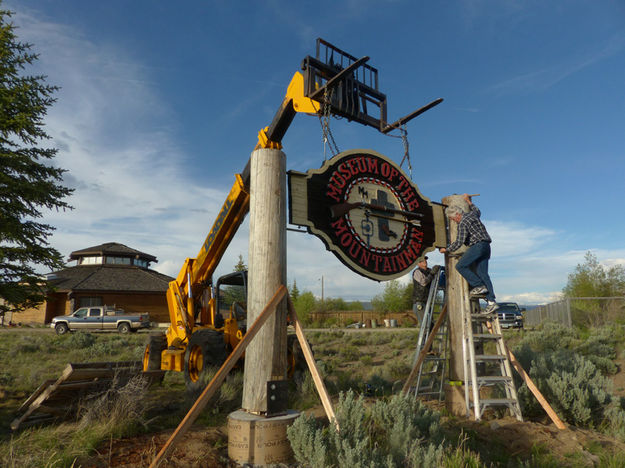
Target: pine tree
[240, 265]
[27, 184]
[294, 291]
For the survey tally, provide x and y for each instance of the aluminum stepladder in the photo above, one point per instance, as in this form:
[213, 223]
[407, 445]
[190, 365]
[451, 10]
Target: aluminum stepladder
[483, 370]
[431, 373]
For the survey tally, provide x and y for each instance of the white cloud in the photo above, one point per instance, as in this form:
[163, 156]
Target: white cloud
[132, 185]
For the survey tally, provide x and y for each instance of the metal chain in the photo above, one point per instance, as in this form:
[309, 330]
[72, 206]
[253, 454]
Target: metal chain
[404, 140]
[324, 120]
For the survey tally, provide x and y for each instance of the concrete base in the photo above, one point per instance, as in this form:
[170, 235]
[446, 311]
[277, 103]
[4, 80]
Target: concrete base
[258, 440]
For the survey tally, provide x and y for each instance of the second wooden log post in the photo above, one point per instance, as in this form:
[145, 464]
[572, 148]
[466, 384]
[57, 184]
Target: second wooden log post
[455, 297]
[265, 358]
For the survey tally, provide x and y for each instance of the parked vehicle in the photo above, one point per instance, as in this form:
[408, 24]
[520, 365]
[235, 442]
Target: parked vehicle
[100, 318]
[510, 315]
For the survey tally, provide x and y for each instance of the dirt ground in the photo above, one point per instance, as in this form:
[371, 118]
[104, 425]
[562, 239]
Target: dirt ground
[207, 448]
[494, 440]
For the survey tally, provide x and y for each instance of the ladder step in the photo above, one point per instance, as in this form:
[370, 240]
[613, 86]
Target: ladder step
[482, 316]
[497, 402]
[428, 393]
[493, 379]
[489, 357]
[486, 336]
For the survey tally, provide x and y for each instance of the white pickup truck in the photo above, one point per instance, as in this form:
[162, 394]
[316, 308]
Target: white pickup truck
[100, 318]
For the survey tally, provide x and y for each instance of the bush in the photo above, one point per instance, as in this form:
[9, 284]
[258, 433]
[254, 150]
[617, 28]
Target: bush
[571, 383]
[399, 432]
[79, 340]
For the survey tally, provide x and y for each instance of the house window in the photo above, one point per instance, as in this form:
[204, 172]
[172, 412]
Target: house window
[90, 301]
[118, 260]
[90, 260]
[140, 262]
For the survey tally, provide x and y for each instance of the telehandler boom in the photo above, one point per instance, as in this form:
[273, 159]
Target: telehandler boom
[199, 336]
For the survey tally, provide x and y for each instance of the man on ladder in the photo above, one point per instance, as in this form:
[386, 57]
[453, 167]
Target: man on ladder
[472, 232]
[422, 278]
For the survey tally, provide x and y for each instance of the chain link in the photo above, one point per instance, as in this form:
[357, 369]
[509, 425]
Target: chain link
[404, 139]
[324, 120]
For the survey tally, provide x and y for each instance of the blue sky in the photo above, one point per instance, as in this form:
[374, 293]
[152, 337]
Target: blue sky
[160, 104]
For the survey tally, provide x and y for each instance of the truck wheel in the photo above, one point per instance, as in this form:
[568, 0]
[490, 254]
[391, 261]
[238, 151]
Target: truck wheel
[206, 350]
[61, 328]
[123, 328]
[152, 355]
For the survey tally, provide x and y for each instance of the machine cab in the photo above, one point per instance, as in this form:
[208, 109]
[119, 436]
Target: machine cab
[231, 298]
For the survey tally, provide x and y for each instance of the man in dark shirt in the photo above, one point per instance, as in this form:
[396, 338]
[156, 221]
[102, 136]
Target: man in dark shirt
[421, 280]
[473, 265]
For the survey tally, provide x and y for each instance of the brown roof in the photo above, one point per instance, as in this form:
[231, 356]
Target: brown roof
[109, 278]
[112, 248]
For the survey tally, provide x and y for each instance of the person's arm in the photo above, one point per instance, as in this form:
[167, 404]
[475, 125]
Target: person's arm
[420, 278]
[460, 238]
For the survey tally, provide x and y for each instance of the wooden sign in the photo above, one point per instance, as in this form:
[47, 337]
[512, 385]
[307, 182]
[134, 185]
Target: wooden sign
[367, 212]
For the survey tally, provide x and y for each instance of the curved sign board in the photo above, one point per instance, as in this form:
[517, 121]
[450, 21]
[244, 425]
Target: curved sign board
[366, 211]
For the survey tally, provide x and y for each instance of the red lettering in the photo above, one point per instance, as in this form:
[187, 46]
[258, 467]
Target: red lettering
[362, 166]
[345, 170]
[394, 173]
[372, 164]
[402, 183]
[365, 257]
[387, 266]
[401, 264]
[334, 193]
[352, 167]
[409, 254]
[346, 239]
[356, 244]
[413, 205]
[340, 226]
[386, 170]
[376, 259]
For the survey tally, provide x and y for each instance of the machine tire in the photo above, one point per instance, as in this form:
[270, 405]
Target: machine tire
[152, 355]
[206, 350]
[123, 328]
[61, 328]
[296, 362]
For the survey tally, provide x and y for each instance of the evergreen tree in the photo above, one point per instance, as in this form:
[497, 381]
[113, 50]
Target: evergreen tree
[27, 184]
[240, 266]
[294, 291]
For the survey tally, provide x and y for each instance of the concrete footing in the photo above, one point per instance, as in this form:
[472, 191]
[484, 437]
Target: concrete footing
[258, 440]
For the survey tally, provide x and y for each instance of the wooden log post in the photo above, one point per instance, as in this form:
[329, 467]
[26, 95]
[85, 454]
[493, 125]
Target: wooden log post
[455, 296]
[265, 358]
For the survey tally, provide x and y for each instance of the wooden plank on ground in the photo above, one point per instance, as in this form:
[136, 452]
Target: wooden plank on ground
[40, 389]
[76, 379]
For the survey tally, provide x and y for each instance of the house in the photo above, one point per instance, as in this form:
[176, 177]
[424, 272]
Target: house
[106, 274]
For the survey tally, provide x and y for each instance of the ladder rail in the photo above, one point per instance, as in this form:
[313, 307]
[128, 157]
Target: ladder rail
[473, 381]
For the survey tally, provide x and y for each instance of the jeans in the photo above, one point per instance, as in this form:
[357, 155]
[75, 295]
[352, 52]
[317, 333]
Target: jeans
[477, 256]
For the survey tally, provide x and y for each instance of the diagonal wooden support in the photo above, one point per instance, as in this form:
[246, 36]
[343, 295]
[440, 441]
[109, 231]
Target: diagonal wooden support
[219, 377]
[424, 351]
[531, 385]
[312, 366]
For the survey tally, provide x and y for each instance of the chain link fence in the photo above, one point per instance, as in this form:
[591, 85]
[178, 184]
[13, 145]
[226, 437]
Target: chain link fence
[579, 311]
